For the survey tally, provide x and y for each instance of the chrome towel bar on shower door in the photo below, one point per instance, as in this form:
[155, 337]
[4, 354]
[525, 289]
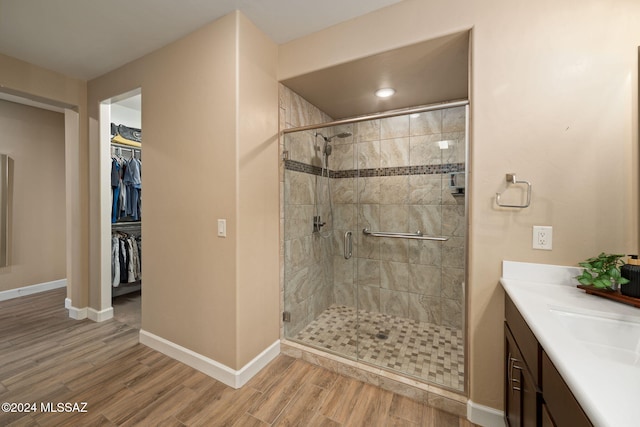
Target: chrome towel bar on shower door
[416, 236]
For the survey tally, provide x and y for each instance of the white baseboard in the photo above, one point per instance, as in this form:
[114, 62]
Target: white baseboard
[88, 312]
[33, 289]
[216, 370]
[484, 416]
[257, 363]
[100, 316]
[74, 312]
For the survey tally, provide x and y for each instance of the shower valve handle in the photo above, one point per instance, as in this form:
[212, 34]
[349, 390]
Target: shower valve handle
[317, 223]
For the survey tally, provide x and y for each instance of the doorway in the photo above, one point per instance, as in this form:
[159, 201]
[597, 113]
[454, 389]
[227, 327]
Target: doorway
[28, 271]
[121, 200]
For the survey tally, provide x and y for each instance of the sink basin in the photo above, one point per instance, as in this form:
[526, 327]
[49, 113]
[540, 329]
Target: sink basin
[607, 338]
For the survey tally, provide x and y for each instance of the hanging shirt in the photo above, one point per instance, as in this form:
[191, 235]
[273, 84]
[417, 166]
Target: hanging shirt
[115, 172]
[115, 261]
[133, 173]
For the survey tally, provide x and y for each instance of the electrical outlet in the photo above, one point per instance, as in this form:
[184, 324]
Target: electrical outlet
[542, 237]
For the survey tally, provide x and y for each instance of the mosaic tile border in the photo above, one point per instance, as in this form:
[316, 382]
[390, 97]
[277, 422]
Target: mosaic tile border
[404, 170]
[296, 166]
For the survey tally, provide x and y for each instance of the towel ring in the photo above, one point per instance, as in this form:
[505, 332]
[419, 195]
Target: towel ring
[511, 179]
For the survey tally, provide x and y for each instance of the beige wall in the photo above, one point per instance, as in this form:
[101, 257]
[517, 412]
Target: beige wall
[32, 82]
[34, 139]
[209, 116]
[257, 194]
[554, 98]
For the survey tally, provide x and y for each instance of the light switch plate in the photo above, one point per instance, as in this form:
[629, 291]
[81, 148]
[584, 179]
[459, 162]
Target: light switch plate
[222, 228]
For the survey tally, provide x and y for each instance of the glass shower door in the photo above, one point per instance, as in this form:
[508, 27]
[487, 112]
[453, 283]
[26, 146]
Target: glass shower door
[318, 279]
[394, 303]
[410, 296]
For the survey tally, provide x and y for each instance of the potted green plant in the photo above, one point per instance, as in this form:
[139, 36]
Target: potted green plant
[602, 272]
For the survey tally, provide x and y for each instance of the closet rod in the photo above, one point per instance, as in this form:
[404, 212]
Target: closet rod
[132, 150]
[128, 147]
[126, 223]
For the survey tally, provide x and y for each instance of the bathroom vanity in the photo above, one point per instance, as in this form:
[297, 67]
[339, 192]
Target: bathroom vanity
[528, 368]
[571, 359]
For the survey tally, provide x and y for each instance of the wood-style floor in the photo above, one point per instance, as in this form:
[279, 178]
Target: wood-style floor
[47, 358]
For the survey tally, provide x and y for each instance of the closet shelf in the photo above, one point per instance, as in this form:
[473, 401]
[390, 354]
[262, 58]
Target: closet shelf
[126, 223]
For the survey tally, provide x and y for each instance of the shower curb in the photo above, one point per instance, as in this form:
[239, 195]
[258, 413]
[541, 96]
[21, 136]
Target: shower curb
[436, 397]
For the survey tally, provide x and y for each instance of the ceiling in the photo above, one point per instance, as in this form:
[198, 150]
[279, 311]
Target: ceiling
[424, 73]
[87, 38]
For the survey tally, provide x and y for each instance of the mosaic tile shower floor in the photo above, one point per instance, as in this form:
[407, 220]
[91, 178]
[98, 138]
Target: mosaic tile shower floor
[421, 350]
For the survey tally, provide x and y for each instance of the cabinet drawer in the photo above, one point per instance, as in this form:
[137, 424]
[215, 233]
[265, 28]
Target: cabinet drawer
[527, 342]
[563, 407]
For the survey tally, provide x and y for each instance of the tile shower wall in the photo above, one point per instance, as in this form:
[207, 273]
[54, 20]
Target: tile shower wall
[402, 186]
[306, 257]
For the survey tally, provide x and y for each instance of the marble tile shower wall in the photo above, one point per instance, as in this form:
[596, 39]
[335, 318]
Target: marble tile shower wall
[306, 259]
[401, 188]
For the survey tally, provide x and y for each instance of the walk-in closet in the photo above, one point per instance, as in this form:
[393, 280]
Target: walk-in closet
[125, 182]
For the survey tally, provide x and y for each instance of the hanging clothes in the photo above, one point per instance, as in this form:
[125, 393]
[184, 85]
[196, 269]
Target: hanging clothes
[115, 261]
[126, 248]
[126, 266]
[126, 189]
[124, 262]
[133, 183]
[116, 178]
[136, 258]
[131, 270]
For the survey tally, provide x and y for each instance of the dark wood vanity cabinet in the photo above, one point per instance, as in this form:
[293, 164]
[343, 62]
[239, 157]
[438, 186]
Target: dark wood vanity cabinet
[522, 387]
[535, 393]
[563, 407]
[521, 392]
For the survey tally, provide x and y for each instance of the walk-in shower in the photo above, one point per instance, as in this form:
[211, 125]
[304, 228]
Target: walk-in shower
[375, 238]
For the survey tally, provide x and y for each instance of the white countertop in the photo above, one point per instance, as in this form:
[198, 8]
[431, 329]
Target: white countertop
[604, 380]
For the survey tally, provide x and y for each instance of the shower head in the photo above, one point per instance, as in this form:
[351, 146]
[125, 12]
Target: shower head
[327, 147]
[339, 135]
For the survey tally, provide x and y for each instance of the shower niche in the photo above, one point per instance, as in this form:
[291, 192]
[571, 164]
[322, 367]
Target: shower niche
[375, 241]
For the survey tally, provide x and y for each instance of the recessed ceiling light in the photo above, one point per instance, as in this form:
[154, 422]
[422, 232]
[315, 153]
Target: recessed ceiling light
[444, 145]
[385, 92]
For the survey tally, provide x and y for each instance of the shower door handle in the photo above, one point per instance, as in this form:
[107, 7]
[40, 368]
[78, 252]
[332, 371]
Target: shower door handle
[348, 244]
